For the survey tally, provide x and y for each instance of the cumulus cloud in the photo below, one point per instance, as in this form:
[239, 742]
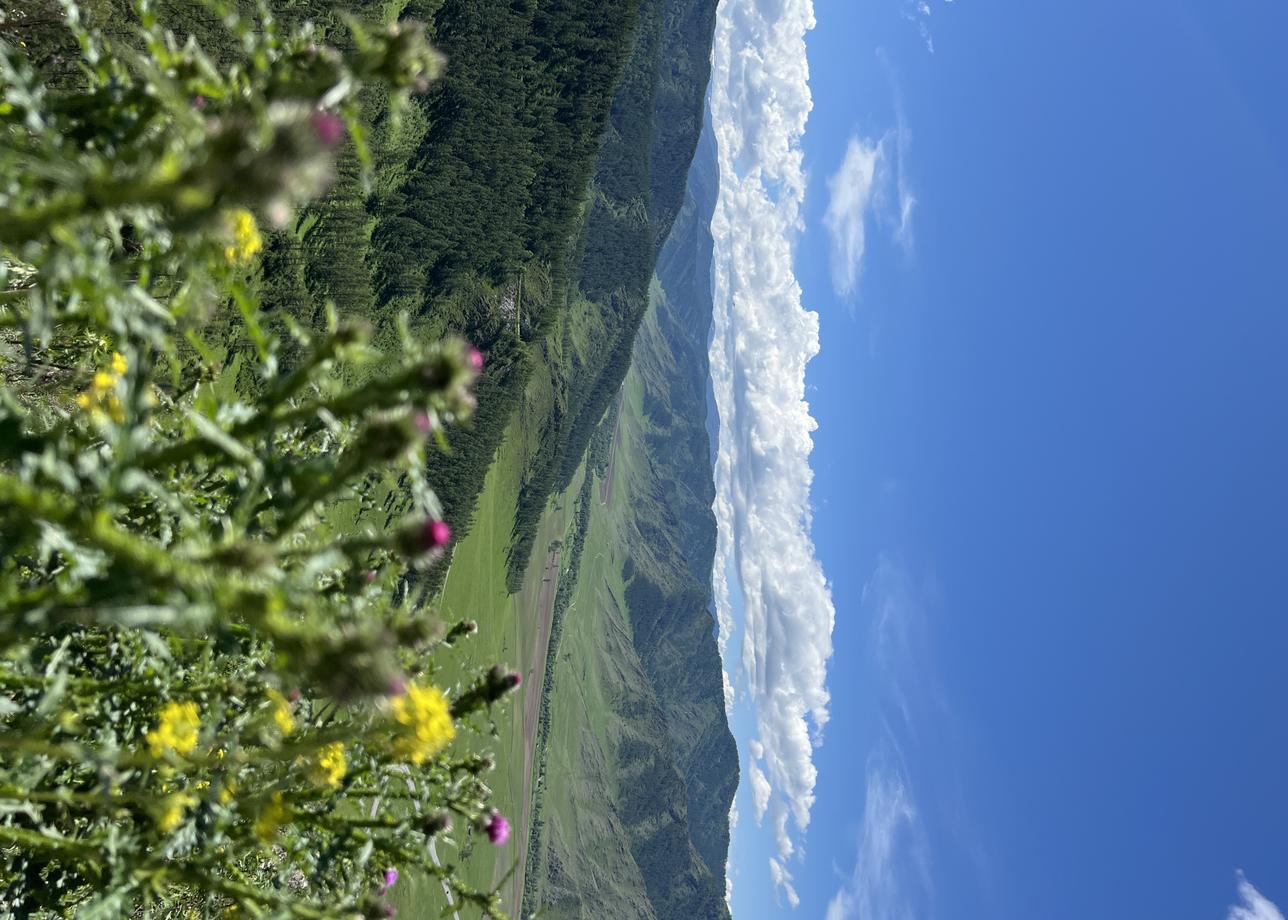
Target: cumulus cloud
[1255, 905]
[762, 339]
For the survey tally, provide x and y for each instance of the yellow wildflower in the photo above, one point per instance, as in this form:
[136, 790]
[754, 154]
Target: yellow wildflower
[282, 713]
[246, 241]
[426, 720]
[176, 730]
[272, 818]
[170, 814]
[331, 765]
[100, 400]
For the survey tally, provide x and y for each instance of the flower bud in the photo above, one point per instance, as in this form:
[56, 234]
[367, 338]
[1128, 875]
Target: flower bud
[461, 630]
[502, 680]
[438, 372]
[393, 438]
[439, 822]
[352, 332]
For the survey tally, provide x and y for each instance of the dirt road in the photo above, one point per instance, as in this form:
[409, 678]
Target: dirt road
[532, 687]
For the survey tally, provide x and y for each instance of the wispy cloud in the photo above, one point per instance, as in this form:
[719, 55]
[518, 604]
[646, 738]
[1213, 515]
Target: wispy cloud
[1255, 905]
[906, 200]
[891, 839]
[870, 187]
[919, 12]
[851, 191]
[891, 875]
[762, 339]
[783, 882]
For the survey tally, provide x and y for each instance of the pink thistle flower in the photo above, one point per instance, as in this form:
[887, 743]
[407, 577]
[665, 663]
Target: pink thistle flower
[498, 829]
[436, 535]
[328, 128]
[475, 359]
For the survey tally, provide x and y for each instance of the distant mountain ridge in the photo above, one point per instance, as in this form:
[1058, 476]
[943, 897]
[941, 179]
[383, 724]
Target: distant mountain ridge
[636, 810]
[670, 602]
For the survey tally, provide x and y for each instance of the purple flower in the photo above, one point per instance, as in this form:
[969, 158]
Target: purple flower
[498, 829]
[423, 538]
[436, 534]
[328, 128]
[475, 358]
[391, 876]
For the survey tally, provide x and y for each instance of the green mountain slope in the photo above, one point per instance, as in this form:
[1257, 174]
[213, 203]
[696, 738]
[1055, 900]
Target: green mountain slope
[640, 766]
[636, 192]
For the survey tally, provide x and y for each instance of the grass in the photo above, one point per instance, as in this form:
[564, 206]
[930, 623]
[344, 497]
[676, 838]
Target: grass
[508, 631]
[583, 841]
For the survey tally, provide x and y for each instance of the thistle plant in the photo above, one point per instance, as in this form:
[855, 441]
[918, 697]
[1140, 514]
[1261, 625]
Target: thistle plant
[213, 697]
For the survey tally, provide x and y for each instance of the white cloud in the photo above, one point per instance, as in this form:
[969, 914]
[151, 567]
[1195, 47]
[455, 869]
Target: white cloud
[1255, 905]
[870, 186]
[762, 339]
[783, 882]
[851, 192]
[919, 12]
[907, 200]
[877, 889]
[891, 879]
[760, 790]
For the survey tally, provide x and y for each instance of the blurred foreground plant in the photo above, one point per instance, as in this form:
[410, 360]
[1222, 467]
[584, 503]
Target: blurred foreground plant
[212, 698]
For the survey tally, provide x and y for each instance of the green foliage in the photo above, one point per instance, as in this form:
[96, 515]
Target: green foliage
[635, 194]
[213, 694]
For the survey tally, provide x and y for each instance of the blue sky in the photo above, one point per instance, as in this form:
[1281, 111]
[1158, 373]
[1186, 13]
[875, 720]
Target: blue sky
[1017, 648]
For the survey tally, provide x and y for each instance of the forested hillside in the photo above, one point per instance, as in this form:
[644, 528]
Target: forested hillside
[641, 768]
[472, 222]
[637, 190]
